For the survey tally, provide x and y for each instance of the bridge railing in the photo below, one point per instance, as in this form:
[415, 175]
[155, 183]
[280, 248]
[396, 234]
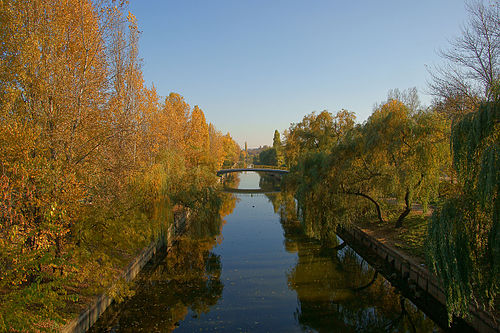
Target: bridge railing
[257, 166]
[262, 168]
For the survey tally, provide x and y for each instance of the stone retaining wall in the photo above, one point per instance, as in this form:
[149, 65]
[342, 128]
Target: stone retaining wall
[418, 276]
[89, 316]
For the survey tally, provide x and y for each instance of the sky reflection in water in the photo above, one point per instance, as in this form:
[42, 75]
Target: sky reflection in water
[262, 274]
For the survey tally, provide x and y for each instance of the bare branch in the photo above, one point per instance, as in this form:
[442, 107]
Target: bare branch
[472, 62]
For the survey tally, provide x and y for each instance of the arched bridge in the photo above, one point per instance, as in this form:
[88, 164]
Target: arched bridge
[270, 170]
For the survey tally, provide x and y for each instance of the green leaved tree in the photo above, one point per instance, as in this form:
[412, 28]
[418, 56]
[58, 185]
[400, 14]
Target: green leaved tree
[464, 236]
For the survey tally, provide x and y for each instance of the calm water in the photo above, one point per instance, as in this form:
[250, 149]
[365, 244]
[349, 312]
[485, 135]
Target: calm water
[255, 270]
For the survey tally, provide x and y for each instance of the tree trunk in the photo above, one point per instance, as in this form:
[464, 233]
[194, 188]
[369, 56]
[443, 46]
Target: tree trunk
[399, 222]
[377, 206]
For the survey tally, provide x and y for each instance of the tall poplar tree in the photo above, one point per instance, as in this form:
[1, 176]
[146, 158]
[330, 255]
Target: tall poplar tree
[277, 146]
[198, 140]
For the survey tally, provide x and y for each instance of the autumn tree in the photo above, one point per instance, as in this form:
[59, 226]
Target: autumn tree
[315, 133]
[91, 160]
[400, 151]
[126, 103]
[198, 140]
[231, 149]
[54, 79]
[355, 169]
[177, 113]
[223, 149]
[216, 146]
[307, 150]
[413, 146]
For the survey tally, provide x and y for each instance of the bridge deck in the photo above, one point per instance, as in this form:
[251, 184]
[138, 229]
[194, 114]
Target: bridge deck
[224, 171]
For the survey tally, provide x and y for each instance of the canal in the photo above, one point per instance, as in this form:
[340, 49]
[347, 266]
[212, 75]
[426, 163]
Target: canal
[253, 268]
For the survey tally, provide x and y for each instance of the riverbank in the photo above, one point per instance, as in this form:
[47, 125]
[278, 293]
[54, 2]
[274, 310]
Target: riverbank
[408, 239]
[99, 304]
[187, 274]
[258, 270]
[400, 253]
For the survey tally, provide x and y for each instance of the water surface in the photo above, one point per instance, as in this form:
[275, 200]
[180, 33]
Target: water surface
[255, 270]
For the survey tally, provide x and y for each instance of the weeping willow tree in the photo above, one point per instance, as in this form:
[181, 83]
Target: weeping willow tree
[464, 235]
[308, 148]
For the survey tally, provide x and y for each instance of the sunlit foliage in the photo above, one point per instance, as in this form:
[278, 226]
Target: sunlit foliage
[413, 148]
[307, 149]
[91, 160]
[342, 172]
[398, 157]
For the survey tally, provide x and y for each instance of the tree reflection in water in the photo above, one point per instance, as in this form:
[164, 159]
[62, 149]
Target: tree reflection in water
[336, 289]
[187, 278]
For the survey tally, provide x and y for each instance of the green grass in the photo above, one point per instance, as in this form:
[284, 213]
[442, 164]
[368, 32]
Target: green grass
[411, 237]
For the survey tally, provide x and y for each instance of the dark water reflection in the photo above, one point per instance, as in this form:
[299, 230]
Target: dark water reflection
[259, 269]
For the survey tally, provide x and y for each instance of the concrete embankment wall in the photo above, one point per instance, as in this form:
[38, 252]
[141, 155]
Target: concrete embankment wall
[89, 316]
[416, 276]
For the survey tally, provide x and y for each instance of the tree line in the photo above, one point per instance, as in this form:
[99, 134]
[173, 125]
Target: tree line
[445, 157]
[92, 160]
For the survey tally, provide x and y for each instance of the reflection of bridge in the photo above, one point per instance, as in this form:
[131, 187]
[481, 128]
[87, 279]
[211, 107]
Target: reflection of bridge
[260, 169]
[249, 191]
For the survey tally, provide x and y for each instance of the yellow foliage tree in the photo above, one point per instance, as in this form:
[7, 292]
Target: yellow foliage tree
[198, 139]
[86, 150]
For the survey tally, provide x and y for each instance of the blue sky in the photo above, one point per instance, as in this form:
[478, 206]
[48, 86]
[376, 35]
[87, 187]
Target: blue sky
[254, 66]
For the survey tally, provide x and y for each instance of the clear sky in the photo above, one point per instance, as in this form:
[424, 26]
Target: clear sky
[254, 66]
